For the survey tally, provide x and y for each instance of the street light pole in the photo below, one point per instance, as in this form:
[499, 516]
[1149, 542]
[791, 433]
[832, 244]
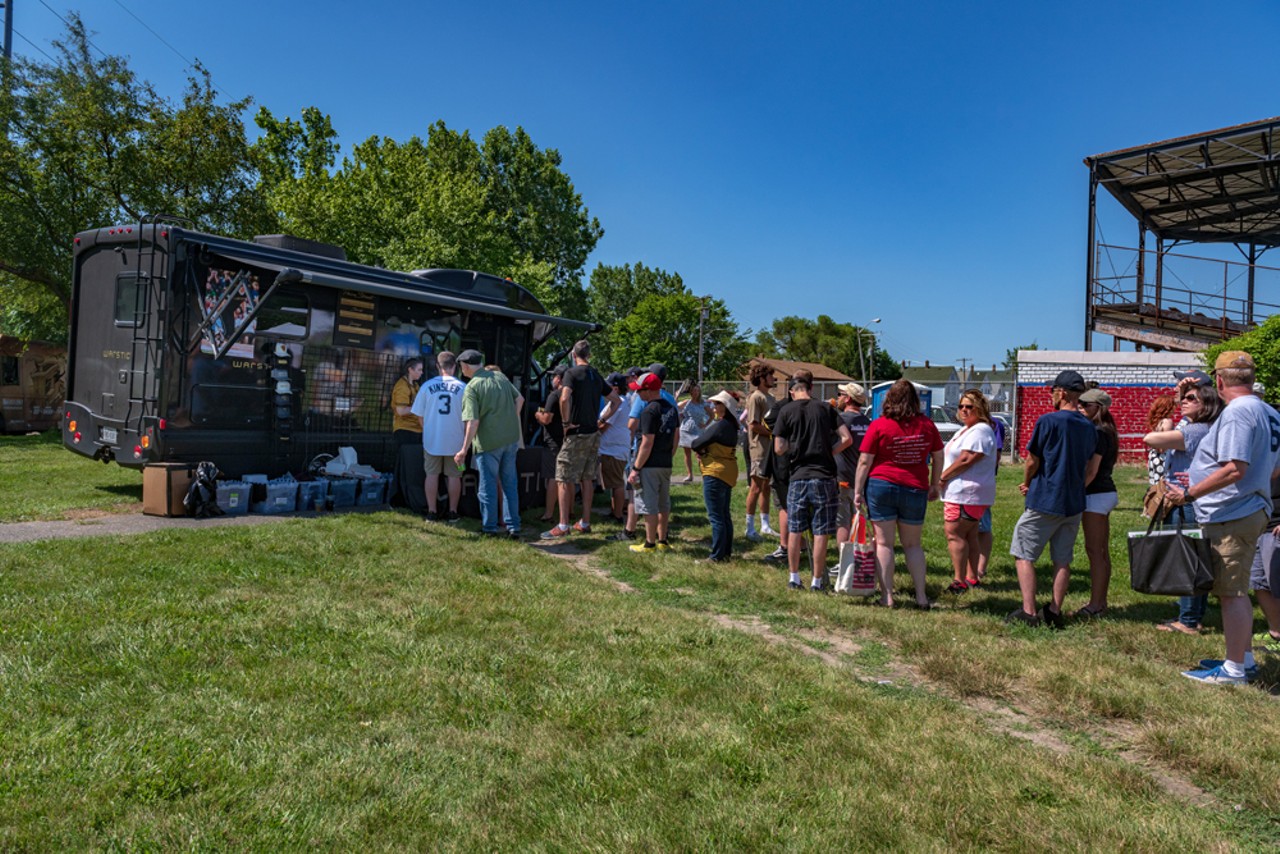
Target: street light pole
[702, 316]
[862, 362]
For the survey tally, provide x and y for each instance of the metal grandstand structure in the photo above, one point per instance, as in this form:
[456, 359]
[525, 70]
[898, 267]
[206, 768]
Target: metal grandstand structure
[1220, 188]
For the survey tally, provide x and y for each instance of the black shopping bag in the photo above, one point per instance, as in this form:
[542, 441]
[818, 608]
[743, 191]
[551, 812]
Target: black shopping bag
[1170, 563]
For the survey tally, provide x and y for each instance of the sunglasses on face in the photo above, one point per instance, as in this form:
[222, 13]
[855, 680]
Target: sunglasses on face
[965, 406]
[1191, 398]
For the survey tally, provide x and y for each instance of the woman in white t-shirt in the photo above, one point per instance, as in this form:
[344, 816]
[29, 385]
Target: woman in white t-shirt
[969, 486]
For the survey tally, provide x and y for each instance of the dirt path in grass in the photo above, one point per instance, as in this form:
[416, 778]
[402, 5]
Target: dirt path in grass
[838, 648]
[98, 524]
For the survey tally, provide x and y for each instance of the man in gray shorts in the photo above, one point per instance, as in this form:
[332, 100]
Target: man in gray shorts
[659, 434]
[1060, 463]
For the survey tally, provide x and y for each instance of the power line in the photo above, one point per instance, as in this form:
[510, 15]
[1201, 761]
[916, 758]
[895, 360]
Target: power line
[67, 24]
[34, 45]
[154, 33]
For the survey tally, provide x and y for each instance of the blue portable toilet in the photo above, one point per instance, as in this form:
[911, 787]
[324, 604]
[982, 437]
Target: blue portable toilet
[879, 391]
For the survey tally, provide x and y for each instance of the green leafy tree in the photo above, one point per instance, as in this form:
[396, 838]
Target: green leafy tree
[829, 343]
[663, 328]
[614, 292]
[90, 145]
[1263, 344]
[503, 206]
[1011, 355]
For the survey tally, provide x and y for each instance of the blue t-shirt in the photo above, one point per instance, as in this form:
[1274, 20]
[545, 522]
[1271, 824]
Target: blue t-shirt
[638, 405]
[1064, 441]
[1179, 462]
[1248, 431]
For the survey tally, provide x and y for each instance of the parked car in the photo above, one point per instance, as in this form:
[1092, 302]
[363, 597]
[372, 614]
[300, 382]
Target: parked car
[946, 427]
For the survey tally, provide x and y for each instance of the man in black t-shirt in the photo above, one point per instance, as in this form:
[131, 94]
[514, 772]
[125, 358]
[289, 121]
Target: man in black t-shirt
[548, 415]
[811, 431]
[659, 434]
[581, 393]
[850, 402]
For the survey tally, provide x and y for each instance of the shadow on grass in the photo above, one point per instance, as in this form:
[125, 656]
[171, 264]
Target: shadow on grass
[125, 490]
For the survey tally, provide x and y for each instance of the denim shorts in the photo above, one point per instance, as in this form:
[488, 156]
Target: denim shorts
[1265, 573]
[984, 524]
[889, 502]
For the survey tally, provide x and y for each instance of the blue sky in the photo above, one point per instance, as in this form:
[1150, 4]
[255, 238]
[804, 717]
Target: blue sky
[918, 162]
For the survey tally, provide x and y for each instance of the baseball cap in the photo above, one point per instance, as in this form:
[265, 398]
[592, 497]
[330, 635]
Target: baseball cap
[1096, 395]
[617, 380]
[559, 370]
[1069, 380]
[659, 369]
[853, 391]
[471, 357]
[648, 382]
[1200, 377]
[634, 372]
[1234, 359]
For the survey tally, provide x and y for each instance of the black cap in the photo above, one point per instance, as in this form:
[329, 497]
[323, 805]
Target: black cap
[1200, 377]
[558, 370]
[634, 372]
[1069, 381]
[659, 369]
[471, 357]
[617, 380]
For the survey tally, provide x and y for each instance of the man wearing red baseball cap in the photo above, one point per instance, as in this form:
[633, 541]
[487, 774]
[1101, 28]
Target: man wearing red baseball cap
[651, 474]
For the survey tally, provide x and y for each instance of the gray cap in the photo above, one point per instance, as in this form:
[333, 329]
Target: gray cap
[471, 357]
[1096, 395]
[659, 369]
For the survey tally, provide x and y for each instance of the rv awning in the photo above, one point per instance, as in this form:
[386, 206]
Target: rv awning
[408, 290]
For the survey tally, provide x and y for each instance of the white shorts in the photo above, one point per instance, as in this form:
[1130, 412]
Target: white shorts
[1101, 503]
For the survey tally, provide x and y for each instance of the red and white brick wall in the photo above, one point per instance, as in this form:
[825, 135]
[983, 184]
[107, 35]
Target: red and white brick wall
[1132, 379]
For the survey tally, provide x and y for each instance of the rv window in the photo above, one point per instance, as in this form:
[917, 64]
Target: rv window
[285, 316]
[127, 306]
[8, 370]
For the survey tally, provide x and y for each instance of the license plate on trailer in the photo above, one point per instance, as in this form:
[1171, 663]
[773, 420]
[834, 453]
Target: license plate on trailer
[108, 434]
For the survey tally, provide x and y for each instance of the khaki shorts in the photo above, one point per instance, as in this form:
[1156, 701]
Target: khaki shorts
[757, 466]
[431, 464]
[578, 458]
[1233, 544]
[613, 472]
[846, 507]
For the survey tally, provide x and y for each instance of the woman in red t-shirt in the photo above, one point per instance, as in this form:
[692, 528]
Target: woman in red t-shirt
[898, 474]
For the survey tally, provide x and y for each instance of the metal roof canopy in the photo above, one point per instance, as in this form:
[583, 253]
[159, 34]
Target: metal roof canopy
[1217, 187]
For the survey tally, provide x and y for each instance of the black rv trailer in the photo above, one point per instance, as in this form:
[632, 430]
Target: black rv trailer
[260, 356]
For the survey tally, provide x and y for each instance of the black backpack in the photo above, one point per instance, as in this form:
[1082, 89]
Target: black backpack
[202, 498]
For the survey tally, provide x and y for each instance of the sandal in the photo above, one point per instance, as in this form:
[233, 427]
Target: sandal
[958, 587]
[1176, 626]
[1087, 613]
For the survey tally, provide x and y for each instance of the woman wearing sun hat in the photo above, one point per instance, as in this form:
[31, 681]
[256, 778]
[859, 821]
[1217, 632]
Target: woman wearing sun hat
[716, 448]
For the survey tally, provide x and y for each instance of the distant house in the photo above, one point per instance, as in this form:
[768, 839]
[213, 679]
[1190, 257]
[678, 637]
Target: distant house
[943, 382]
[825, 379]
[996, 386]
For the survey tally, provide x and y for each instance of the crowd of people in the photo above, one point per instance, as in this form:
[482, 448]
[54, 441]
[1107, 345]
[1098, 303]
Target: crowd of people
[825, 461]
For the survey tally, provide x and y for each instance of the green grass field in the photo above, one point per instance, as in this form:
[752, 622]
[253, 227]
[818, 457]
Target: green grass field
[371, 681]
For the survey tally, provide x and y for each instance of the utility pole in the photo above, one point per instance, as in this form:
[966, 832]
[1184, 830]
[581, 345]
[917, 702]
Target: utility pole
[702, 317]
[964, 366]
[8, 30]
